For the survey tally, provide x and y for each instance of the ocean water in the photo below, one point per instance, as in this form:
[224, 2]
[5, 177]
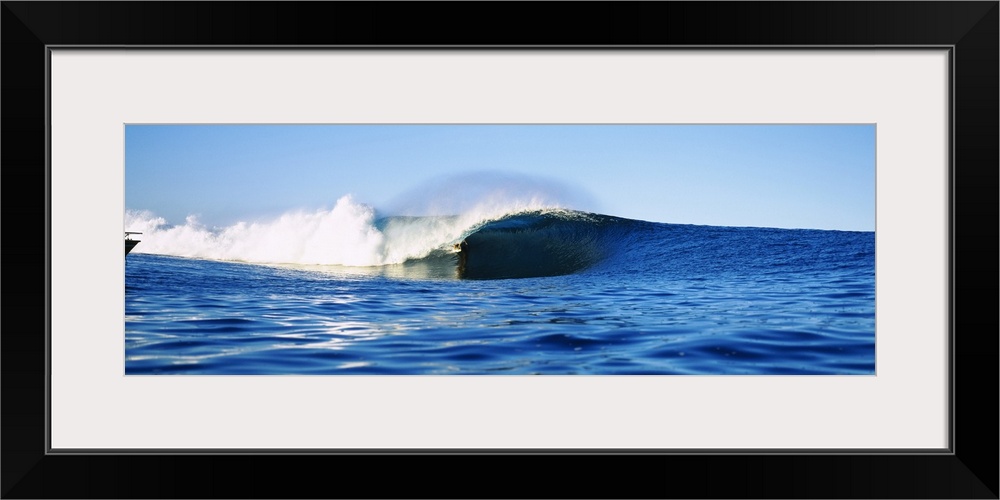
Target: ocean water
[515, 291]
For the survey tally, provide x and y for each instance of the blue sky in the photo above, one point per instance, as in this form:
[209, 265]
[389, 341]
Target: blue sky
[789, 176]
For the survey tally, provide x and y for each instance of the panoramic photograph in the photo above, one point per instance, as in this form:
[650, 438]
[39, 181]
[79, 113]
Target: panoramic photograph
[548, 249]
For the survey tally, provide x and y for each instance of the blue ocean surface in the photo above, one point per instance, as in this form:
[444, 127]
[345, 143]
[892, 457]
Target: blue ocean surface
[528, 292]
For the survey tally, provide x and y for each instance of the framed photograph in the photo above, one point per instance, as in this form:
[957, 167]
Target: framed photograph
[677, 254]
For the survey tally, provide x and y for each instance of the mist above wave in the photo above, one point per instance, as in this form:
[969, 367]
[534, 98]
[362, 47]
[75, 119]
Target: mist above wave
[489, 192]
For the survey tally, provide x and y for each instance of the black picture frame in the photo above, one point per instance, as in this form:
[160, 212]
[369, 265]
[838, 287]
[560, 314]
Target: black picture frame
[970, 29]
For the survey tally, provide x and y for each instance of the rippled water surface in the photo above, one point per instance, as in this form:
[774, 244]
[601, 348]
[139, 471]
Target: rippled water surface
[642, 298]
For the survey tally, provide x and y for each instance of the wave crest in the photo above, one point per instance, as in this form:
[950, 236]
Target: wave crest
[349, 234]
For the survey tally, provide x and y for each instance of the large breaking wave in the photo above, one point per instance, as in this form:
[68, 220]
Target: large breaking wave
[493, 240]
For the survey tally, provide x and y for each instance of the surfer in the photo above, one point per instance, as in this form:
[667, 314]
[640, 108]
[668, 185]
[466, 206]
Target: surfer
[463, 254]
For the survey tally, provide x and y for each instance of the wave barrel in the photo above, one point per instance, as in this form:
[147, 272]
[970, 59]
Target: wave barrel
[535, 245]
